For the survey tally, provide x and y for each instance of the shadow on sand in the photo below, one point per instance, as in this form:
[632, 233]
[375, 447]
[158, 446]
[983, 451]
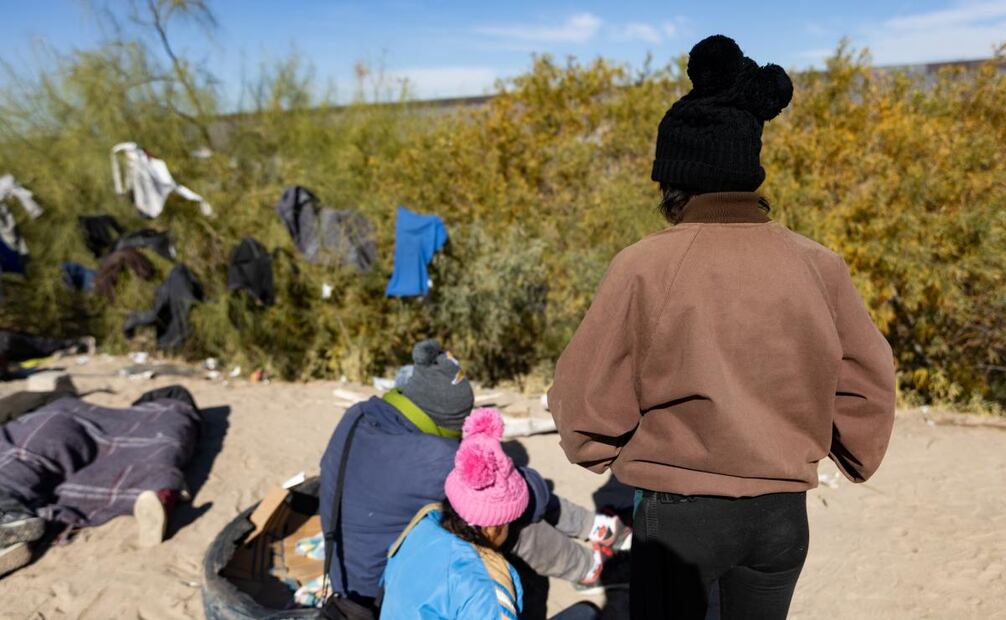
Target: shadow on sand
[211, 440]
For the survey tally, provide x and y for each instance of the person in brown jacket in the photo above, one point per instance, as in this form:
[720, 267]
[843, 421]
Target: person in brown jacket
[721, 359]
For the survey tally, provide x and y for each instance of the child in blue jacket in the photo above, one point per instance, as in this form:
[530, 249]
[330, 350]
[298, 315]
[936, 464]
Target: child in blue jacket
[447, 564]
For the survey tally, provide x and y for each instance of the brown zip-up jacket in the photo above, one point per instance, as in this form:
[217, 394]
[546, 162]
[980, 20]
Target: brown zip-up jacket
[725, 356]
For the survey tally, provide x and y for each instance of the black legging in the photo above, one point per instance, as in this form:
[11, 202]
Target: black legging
[754, 547]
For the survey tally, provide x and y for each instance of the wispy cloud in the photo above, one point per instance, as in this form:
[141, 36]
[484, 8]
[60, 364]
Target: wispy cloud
[964, 14]
[673, 28]
[446, 81]
[648, 33]
[577, 28]
[639, 32]
[964, 30]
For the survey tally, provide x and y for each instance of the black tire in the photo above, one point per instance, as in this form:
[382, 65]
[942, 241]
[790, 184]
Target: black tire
[221, 599]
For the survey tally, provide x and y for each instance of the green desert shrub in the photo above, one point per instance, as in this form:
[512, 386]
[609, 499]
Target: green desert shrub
[904, 175]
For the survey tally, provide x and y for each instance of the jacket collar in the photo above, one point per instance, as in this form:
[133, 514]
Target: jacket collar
[725, 208]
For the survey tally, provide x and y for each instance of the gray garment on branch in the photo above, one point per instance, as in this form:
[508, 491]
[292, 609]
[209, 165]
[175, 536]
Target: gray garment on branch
[325, 235]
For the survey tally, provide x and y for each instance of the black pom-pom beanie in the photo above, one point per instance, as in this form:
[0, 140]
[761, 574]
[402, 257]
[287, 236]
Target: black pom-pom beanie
[710, 139]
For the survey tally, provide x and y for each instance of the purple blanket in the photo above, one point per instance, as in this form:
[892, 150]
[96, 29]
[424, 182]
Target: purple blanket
[81, 464]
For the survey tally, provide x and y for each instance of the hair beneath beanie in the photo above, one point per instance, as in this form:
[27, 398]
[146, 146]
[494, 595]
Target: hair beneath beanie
[451, 521]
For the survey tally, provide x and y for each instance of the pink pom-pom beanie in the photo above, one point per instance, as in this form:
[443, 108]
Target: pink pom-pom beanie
[484, 487]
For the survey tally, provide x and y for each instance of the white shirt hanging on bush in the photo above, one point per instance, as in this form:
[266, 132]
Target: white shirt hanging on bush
[9, 187]
[150, 181]
[9, 235]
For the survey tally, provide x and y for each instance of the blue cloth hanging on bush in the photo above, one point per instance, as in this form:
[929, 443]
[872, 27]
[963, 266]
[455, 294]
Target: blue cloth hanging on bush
[417, 238]
[78, 277]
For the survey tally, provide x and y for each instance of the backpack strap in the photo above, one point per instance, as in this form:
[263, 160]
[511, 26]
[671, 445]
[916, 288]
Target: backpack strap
[425, 510]
[499, 571]
[417, 416]
[336, 534]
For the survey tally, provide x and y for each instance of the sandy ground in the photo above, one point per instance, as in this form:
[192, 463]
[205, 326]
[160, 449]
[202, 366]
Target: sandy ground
[926, 538]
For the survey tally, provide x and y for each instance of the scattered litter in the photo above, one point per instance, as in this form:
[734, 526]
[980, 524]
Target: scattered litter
[312, 547]
[525, 427]
[210, 363]
[191, 584]
[236, 372]
[491, 397]
[346, 395]
[310, 594]
[343, 379]
[83, 360]
[294, 480]
[146, 375]
[159, 370]
[383, 384]
[257, 376]
[326, 290]
[829, 480]
[213, 375]
[139, 357]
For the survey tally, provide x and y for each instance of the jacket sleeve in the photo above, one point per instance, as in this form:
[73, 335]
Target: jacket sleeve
[595, 395]
[865, 393]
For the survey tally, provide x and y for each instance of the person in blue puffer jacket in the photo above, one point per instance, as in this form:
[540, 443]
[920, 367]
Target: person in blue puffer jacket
[447, 563]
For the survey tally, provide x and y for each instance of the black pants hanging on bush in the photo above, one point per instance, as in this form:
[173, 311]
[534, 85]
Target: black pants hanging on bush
[754, 547]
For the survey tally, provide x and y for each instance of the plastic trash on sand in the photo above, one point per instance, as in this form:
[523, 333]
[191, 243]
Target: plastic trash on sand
[525, 427]
[294, 480]
[383, 384]
[829, 480]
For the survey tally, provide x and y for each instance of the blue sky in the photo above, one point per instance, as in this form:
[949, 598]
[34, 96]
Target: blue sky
[449, 48]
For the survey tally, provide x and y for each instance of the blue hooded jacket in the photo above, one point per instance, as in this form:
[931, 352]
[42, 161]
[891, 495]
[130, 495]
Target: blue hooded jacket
[394, 469]
[435, 574]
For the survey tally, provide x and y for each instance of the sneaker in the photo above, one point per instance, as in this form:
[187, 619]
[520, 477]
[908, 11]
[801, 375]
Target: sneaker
[13, 557]
[151, 519]
[610, 571]
[18, 527]
[609, 530]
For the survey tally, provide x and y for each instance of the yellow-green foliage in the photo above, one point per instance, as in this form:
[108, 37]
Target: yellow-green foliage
[539, 188]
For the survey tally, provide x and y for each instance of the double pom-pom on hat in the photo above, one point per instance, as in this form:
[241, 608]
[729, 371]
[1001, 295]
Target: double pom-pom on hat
[717, 66]
[480, 459]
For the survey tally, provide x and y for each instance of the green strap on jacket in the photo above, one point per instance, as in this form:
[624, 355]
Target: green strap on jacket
[417, 416]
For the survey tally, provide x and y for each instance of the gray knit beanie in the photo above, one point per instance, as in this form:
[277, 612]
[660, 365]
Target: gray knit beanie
[438, 386]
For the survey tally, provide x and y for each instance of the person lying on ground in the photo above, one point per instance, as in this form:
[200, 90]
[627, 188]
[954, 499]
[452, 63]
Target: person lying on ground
[70, 464]
[402, 449]
[720, 361]
[448, 563]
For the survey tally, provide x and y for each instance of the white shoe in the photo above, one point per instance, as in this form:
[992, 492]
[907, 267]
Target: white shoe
[151, 519]
[13, 557]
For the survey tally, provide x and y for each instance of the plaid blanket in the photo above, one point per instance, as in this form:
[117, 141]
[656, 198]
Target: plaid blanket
[80, 464]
